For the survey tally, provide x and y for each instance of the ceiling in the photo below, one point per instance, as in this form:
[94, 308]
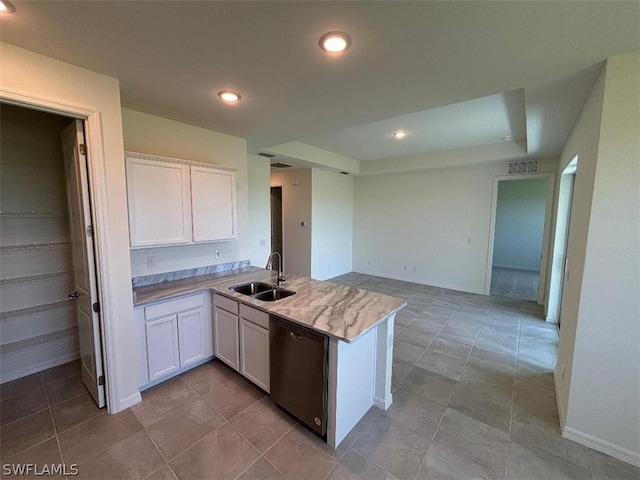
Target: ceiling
[452, 74]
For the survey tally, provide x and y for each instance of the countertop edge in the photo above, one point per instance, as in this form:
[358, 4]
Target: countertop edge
[220, 285]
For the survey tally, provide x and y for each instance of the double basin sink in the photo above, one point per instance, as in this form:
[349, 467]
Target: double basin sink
[262, 291]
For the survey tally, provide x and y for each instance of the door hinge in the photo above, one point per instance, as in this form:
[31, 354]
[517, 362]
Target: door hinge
[101, 380]
[96, 307]
[82, 148]
[89, 230]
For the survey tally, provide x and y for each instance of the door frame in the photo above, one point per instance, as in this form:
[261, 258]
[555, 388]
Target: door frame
[98, 195]
[281, 187]
[566, 187]
[542, 283]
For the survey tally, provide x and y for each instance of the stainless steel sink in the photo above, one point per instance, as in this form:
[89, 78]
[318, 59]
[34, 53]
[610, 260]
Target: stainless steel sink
[262, 291]
[273, 295]
[252, 288]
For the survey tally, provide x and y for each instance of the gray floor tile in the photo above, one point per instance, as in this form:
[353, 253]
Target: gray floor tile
[605, 466]
[394, 447]
[530, 462]
[444, 464]
[475, 440]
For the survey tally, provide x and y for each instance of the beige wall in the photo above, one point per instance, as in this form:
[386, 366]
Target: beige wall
[430, 227]
[259, 210]
[583, 142]
[26, 74]
[602, 400]
[158, 136]
[332, 222]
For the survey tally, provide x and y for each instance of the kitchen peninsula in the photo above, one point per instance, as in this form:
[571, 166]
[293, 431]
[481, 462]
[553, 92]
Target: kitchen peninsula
[358, 324]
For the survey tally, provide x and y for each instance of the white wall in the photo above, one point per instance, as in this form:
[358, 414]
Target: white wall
[26, 74]
[259, 210]
[603, 397]
[155, 135]
[296, 208]
[436, 223]
[520, 215]
[332, 221]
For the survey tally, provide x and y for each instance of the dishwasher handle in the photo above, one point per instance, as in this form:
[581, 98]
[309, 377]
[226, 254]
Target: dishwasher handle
[295, 335]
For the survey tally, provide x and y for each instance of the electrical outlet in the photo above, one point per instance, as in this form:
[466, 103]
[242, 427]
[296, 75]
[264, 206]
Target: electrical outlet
[151, 261]
[263, 243]
[217, 253]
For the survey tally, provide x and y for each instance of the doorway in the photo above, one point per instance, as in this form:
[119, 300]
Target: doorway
[277, 226]
[519, 232]
[561, 242]
[44, 244]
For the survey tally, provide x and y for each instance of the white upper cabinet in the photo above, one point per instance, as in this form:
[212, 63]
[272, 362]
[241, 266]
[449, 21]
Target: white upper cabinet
[175, 202]
[159, 203]
[213, 187]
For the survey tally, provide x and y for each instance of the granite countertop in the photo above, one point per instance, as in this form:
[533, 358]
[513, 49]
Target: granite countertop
[335, 310]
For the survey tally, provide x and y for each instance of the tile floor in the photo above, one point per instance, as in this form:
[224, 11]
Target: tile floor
[473, 398]
[509, 282]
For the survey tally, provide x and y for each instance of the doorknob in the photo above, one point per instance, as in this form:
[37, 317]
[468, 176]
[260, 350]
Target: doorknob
[73, 296]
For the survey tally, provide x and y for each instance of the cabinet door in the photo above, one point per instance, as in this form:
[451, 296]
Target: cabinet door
[191, 337]
[225, 335]
[254, 353]
[158, 195]
[213, 202]
[162, 346]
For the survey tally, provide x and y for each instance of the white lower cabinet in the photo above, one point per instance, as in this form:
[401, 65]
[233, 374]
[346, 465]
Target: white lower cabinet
[226, 337]
[242, 339]
[173, 336]
[162, 347]
[254, 345]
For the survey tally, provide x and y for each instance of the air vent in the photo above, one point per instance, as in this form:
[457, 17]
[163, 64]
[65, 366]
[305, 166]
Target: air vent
[280, 165]
[268, 155]
[531, 166]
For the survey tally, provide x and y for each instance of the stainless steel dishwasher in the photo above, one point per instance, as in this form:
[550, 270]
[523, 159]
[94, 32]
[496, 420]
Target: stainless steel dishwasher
[298, 366]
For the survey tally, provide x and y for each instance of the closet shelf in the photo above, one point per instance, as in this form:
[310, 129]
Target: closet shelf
[33, 214]
[12, 282]
[39, 340]
[33, 311]
[29, 247]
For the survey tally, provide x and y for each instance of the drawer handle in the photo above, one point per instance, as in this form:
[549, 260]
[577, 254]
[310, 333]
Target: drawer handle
[296, 335]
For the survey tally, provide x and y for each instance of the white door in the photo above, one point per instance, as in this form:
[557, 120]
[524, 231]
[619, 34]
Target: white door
[84, 267]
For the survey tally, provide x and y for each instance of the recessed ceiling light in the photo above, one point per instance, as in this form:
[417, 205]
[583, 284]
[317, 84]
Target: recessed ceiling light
[335, 42]
[229, 96]
[6, 7]
[399, 134]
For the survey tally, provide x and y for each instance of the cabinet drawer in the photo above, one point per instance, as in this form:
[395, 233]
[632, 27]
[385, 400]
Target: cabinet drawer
[254, 315]
[225, 303]
[173, 306]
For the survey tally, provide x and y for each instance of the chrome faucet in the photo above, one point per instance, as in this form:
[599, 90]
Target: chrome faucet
[269, 266]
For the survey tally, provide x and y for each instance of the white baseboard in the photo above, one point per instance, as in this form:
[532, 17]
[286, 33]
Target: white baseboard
[602, 446]
[517, 267]
[127, 402]
[383, 403]
[590, 441]
[421, 282]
